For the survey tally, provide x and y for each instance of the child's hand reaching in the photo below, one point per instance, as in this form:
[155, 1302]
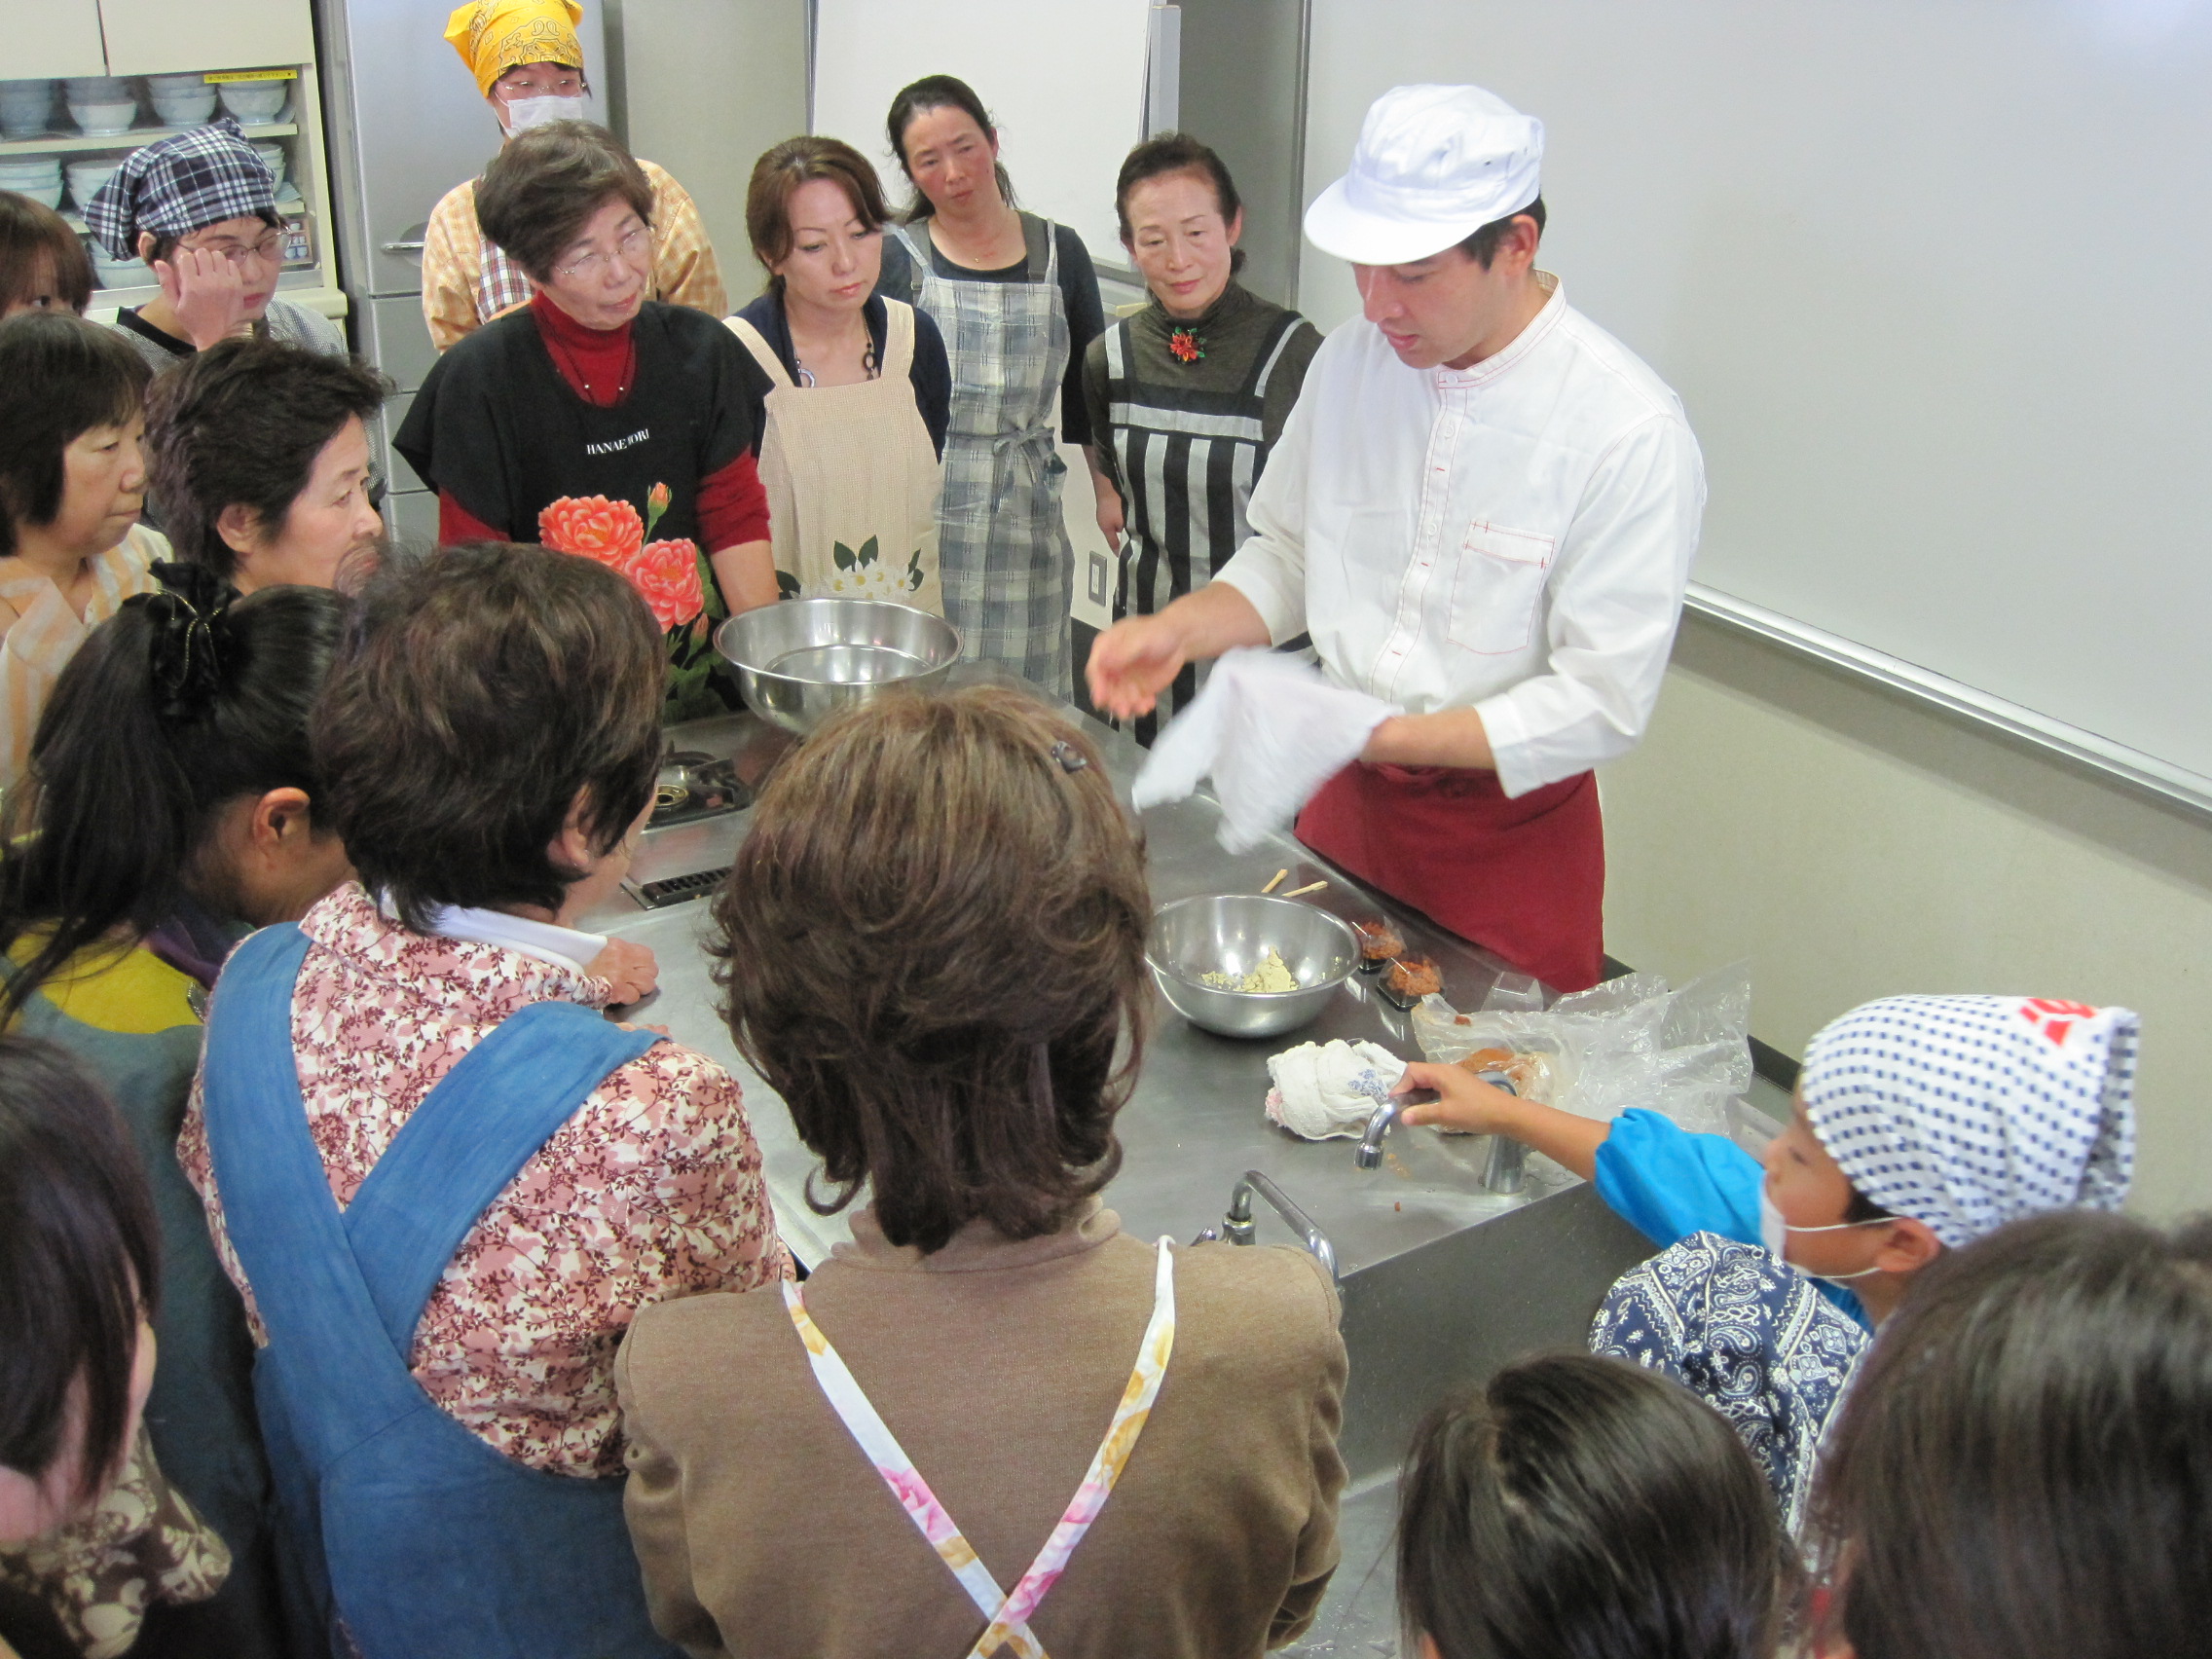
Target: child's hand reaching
[1463, 1101]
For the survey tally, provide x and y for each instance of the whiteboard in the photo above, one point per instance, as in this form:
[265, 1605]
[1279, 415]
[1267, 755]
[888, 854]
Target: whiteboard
[1063, 80]
[1929, 277]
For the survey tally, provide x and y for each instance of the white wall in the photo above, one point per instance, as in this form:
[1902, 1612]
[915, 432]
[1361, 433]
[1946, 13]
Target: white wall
[1853, 845]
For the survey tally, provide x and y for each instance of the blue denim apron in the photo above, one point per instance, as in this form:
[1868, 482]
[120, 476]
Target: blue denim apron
[425, 1541]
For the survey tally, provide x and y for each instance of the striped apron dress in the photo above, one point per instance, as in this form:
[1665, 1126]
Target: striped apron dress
[1188, 459]
[1003, 552]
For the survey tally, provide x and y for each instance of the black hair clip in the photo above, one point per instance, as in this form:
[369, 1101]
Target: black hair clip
[1070, 757]
[191, 614]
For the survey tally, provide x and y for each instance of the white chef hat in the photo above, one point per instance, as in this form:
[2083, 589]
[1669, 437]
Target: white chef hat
[1433, 165]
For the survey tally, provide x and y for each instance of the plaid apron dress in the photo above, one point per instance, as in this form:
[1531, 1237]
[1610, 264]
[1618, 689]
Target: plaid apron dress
[1002, 550]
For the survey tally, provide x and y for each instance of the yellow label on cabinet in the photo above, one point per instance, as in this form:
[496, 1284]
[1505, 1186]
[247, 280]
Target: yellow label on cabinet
[214, 75]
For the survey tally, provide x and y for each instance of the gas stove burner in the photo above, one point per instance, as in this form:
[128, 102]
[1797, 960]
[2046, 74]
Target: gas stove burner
[694, 786]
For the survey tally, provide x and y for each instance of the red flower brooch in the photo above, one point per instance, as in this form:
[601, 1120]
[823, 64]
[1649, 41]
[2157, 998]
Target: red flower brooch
[1186, 345]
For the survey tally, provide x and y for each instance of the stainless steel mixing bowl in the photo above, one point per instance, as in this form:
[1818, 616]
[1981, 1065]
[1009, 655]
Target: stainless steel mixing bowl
[800, 660]
[1229, 932]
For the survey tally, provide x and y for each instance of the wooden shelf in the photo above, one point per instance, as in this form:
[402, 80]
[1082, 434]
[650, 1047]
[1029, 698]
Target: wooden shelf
[81, 142]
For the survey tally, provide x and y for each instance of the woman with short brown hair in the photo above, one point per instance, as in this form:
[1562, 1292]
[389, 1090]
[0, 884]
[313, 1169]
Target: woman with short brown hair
[595, 420]
[850, 392]
[442, 1181]
[43, 262]
[934, 950]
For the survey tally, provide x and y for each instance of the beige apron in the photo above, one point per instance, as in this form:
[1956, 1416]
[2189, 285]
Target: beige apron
[852, 479]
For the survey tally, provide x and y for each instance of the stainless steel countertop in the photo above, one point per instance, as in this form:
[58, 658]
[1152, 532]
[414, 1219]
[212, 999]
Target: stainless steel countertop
[1195, 1122]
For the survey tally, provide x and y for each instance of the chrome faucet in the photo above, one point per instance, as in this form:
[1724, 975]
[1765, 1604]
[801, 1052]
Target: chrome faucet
[1238, 1227]
[1502, 1171]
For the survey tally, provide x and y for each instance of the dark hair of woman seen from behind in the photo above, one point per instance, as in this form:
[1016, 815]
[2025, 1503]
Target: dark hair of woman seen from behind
[79, 1265]
[59, 377]
[1582, 1508]
[1168, 152]
[482, 692]
[175, 707]
[939, 91]
[2024, 1468]
[932, 943]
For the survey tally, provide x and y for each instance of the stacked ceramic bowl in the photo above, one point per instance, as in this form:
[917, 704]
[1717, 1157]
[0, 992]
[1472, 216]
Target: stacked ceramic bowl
[256, 103]
[103, 104]
[38, 177]
[121, 272]
[181, 101]
[87, 173]
[26, 108]
[271, 152]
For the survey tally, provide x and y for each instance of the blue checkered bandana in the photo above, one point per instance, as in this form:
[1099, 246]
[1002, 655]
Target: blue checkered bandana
[1966, 1113]
[200, 178]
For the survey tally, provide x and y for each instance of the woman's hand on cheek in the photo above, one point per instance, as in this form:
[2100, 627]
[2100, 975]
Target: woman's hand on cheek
[206, 292]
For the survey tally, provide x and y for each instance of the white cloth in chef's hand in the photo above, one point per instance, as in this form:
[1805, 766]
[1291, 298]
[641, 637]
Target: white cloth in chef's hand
[1270, 731]
[1326, 1089]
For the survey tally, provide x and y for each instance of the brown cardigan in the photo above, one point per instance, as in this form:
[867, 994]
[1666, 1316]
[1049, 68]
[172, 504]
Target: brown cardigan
[763, 1529]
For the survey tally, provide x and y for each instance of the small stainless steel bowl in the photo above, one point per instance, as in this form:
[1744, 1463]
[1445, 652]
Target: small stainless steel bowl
[801, 660]
[1229, 932]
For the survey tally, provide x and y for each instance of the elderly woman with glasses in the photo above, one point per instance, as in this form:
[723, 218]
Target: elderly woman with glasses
[597, 420]
[200, 208]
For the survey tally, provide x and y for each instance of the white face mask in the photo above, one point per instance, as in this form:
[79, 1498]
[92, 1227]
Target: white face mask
[1775, 1231]
[525, 113]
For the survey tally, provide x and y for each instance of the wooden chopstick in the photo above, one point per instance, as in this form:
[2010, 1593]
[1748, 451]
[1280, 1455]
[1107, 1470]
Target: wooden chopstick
[1310, 887]
[1276, 882]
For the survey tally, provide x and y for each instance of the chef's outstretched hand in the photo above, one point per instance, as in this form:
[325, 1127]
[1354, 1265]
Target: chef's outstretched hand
[629, 968]
[1132, 662]
[1463, 1101]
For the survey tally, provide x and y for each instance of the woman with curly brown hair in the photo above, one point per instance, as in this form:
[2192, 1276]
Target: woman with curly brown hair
[933, 946]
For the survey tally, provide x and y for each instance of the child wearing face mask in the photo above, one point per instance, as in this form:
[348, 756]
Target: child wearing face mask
[529, 64]
[1920, 1124]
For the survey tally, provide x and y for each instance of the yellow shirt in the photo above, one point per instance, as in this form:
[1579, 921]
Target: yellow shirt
[466, 281]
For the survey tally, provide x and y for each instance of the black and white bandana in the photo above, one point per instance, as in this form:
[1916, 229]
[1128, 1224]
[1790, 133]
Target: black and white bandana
[174, 188]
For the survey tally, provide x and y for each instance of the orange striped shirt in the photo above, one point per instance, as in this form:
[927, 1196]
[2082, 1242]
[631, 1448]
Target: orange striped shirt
[45, 632]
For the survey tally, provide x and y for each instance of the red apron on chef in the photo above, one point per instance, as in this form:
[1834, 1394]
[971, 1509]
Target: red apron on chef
[1525, 878]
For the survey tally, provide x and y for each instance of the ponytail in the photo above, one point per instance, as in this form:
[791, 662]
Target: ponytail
[181, 703]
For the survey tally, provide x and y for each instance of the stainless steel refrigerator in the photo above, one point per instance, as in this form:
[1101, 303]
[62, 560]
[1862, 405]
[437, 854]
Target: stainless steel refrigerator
[405, 125]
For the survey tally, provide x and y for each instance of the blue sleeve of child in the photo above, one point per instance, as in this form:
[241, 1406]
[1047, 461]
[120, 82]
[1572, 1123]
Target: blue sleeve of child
[1669, 1183]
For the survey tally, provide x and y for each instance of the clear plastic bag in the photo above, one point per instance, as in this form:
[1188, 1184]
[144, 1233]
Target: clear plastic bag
[1635, 1041]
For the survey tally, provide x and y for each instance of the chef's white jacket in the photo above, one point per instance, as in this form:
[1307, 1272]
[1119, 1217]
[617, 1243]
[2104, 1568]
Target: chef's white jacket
[1514, 536]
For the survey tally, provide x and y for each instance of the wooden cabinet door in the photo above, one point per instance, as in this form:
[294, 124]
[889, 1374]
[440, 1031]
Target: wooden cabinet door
[53, 37]
[154, 36]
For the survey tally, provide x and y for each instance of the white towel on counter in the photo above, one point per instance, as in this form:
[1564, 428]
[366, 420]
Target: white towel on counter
[1271, 732]
[1326, 1089]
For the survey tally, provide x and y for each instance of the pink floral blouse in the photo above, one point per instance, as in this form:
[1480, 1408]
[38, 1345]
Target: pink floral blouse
[653, 1189]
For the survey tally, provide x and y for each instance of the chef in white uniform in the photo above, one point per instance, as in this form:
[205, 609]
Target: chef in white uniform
[1482, 510]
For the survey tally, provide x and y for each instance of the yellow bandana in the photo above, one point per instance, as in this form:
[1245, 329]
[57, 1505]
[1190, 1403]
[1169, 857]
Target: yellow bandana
[495, 36]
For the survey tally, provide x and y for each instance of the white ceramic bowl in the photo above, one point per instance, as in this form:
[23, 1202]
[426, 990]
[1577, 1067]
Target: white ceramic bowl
[102, 119]
[254, 102]
[185, 109]
[123, 274]
[190, 78]
[45, 195]
[89, 86]
[272, 153]
[34, 167]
